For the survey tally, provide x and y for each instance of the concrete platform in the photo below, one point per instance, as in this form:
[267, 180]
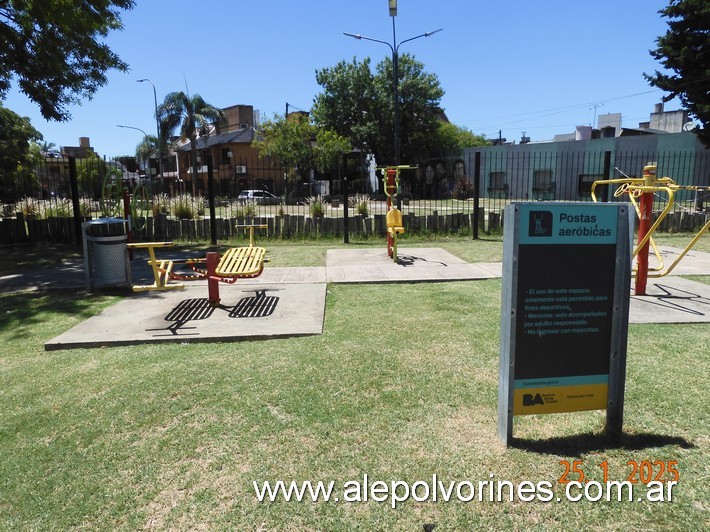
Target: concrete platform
[246, 312]
[372, 265]
[287, 302]
[694, 262]
[671, 300]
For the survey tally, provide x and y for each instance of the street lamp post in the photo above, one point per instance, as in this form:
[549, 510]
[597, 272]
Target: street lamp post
[131, 127]
[394, 47]
[157, 129]
[136, 128]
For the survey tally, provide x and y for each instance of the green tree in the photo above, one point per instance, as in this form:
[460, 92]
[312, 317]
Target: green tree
[328, 149]
[347, 105]
[92, 172]
[359, 105]
[193, 116]
[451, 137]
[419, 97]
[16, 161]
[684, 51]
[299, 145]
[147, 147]
[53, 50]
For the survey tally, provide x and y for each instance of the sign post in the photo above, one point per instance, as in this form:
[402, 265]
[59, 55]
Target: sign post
[565, 307]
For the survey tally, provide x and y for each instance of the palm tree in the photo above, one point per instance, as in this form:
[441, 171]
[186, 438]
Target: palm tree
[147, 147]
[193, 115]
[45, 147]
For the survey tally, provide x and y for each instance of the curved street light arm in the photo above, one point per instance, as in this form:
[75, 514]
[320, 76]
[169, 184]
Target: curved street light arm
[363, 37]
[427, 34]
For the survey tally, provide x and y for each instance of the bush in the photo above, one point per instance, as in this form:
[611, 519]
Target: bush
[316, 206]
[86, 206]
[29, 207]
[245, 209]
[360, 202]
[463, 189]
[60, 208]
[161, 204]
[183, 207]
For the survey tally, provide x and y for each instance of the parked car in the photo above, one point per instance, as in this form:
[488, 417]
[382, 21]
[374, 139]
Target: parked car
[263, 197]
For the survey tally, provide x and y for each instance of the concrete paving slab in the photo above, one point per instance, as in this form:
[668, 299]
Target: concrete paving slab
[693, 263]
[671, 300]
[372, 265]
[293, 275]
[247, 312]
[291, 301]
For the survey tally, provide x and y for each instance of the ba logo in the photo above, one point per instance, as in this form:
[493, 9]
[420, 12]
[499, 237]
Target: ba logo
[530, 400]
[540, 223]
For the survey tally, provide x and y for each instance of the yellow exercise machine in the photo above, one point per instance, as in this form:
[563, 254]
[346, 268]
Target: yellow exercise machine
[640, 192]
[395, 225]
[236, 263]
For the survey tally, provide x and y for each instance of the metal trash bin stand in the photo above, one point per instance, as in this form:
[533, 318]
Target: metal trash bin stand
[105, 253]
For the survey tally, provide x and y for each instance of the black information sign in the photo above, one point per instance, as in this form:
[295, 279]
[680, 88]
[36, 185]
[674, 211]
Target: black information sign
[566, 283]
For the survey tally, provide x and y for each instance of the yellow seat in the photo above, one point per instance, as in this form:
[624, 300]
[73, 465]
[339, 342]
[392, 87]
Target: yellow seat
[162, 269]
[241, 262]
[394, 222]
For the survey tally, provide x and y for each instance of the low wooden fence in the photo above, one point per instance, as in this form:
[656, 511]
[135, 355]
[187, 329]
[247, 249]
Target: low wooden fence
[19, 229]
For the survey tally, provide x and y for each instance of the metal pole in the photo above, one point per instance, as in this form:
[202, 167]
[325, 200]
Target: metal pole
[157, 129]
[606, 172]
[645, 221]
[210, 193]
[74, 186]
[476, 192]
[391, 188]
[395, 82]
[346, 215]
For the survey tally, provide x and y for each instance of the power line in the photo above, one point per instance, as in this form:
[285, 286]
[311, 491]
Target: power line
[554, 111]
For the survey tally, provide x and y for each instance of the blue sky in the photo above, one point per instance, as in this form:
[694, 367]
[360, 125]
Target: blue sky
[511, 65]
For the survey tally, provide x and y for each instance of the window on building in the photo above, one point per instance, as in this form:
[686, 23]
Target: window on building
[543, 185]
[497, 186]
[226, 155]
[584, 184]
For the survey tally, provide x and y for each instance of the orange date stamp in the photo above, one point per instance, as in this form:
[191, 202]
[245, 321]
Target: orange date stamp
[643, 472]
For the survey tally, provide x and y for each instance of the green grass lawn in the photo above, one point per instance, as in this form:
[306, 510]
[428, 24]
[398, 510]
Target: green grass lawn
[402, 385]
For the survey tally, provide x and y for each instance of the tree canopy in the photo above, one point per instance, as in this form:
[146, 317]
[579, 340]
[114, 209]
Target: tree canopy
[452, 137]
[53, 49]
[359, 105]
[684, 51]
[348, 103]
[300, 145]
[16, 138]
[147, 147]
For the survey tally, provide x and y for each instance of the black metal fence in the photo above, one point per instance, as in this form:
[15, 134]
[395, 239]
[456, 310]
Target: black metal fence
[463, 192]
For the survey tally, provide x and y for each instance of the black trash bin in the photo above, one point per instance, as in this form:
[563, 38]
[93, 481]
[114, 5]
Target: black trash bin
[105, 253]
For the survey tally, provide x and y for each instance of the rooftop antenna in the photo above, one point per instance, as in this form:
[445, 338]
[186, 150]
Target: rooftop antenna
[595, 112]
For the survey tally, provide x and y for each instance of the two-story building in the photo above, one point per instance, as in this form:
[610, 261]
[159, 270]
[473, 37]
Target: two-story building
[235, 163]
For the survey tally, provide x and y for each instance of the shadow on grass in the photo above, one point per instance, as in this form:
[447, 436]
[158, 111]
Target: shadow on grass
[583, 443]
[21, 257]
[25, 312]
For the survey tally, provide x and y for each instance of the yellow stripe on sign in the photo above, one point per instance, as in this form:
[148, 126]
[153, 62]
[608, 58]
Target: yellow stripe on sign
[556, 399]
